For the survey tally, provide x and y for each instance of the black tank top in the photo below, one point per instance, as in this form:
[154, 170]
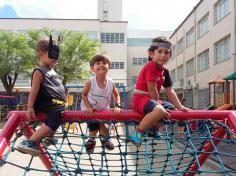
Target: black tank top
[50, 88]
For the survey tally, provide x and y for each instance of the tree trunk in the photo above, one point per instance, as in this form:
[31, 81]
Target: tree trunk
[9, 82]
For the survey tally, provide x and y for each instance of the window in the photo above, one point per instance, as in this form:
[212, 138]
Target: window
[180, 46]
[190, 67]
[180, 71]
[134, 79]
[203, 26]
[190, 38]
[91, 34]
[189, 98]
[222, 50]
[172, 74]
[203, 61]
[112, 37]
[173, 52]
[117, 65]
[119, 85]
[139, 41]
[203, 98]
[221, 9]
[139, 61]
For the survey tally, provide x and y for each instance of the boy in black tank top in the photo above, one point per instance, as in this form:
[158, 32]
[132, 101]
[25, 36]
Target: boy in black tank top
[47, 95]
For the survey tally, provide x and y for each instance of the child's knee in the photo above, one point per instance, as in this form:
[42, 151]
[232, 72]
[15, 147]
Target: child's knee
[160, 112]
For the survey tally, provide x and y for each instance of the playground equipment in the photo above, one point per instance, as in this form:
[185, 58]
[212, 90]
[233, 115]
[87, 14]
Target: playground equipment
[231, 77]
[217, 91]
[6, 103]
[166, 154]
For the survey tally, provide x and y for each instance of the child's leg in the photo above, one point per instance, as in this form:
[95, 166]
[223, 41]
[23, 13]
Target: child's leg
[106, 141]
[31, 146]
[43, 131]
[103, 130]
[91, 142]
[53, 121]
[153, 117]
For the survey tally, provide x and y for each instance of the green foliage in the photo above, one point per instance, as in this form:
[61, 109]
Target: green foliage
[15, 57]
[76, 51]
[18, 54]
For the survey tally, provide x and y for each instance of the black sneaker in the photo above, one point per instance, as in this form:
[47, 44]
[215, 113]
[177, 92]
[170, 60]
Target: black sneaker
[153, 132]
[90, 145]
[47, 141]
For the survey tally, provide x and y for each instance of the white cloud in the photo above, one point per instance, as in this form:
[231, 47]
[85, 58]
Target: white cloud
[55, 8]
[2, 3]
[140, 14]
[157, 14]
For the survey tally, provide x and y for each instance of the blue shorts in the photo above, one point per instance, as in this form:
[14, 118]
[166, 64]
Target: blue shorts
[152, 103]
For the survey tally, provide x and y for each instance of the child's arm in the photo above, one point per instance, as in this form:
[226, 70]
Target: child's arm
[116, 99]
[152, 90]
[174, 99]
[36, 82]
[89, 107]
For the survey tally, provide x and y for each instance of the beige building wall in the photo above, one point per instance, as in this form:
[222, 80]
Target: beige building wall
[216, 32]
[138, 44]
[109, 10]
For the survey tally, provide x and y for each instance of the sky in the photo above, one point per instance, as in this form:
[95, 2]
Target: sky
[164, 15]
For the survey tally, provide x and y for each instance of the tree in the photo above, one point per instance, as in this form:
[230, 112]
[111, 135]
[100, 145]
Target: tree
[15, 57]
[76, 51]
[18, 54]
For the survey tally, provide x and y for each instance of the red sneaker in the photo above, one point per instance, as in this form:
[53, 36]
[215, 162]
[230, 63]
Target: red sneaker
[108, 144]
[90, 145]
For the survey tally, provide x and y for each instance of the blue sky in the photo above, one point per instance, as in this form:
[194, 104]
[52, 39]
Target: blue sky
[145, 14]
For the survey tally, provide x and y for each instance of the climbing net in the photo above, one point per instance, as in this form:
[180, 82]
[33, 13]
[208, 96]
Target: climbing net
[206, 146]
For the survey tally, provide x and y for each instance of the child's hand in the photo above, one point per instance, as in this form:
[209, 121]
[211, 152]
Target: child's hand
[117, 110]
[89, 111]
[164, 112]
[30, 112]
[185, 109]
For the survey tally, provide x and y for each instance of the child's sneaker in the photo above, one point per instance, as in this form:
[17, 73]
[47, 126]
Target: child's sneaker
[47, 141]
[153, 132]
[28, 147]
[90, 145]
[107, 144]
[136, 138]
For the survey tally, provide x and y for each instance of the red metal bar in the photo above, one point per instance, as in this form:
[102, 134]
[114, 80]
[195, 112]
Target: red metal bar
[6, 96]
[8, 131]
[135, 116]
[17, 116]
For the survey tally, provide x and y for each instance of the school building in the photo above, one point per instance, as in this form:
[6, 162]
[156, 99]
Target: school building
[204, 45]
[204, 49]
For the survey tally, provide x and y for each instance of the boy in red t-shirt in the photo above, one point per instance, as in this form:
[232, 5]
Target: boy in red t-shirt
[146, 94]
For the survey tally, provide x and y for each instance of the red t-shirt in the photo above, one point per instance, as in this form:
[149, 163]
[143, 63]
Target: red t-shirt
[150, 72]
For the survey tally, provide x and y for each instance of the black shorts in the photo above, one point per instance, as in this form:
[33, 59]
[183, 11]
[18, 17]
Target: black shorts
[54, 116]
[181, 123]
[95, 125]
